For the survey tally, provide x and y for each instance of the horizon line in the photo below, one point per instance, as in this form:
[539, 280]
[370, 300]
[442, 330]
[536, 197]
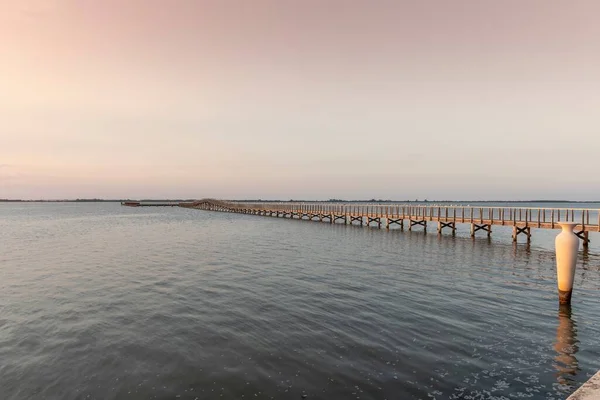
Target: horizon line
[333, 200]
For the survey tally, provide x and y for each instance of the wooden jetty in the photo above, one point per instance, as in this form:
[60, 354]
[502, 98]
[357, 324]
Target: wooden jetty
[480, 219]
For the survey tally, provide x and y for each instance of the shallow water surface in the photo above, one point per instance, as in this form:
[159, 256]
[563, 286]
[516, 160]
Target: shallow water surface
[101, 301]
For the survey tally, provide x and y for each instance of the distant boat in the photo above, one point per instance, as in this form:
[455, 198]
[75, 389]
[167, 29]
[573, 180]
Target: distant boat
[130, 203]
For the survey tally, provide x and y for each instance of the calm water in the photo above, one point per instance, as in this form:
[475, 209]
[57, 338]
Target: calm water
[101, 301]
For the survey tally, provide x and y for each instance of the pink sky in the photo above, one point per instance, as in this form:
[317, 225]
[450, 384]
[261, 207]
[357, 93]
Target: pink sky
[300, 99]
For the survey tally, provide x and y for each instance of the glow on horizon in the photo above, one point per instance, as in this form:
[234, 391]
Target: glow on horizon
[300, 99]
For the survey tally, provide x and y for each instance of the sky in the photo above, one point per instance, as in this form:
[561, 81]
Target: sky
[289, 99]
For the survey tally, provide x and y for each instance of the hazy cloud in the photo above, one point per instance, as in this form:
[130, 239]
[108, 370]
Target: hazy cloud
[300, 99]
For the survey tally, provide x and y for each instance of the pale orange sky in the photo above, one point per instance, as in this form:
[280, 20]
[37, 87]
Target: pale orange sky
[300, 99]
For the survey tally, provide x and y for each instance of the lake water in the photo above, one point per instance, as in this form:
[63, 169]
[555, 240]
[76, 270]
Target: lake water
[101, 301]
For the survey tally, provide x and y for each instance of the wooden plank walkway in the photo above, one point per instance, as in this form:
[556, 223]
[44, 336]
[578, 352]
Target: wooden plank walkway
[521, 219]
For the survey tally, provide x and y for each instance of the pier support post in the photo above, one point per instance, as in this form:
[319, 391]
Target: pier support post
[517, 231]
[377, 220]
[390, 221]
[585, 238]
[413, 222]
[358, 218]
[481, 227]
[442, 225]
[567, 245]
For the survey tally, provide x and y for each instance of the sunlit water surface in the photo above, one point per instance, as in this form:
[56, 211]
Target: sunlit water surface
[101, 301]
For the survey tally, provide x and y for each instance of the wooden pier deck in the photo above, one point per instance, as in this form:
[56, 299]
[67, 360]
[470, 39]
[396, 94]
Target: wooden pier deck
[480, 219]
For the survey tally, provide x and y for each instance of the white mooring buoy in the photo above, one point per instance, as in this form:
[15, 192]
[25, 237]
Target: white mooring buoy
[567, 245]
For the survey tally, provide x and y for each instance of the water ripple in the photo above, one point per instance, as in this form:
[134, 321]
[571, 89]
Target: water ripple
[107, 302]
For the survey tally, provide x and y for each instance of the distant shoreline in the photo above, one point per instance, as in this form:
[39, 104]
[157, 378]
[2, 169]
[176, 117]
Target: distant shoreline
[297, 201]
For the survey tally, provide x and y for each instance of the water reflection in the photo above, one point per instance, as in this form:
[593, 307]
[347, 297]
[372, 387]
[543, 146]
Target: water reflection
[566, 346]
